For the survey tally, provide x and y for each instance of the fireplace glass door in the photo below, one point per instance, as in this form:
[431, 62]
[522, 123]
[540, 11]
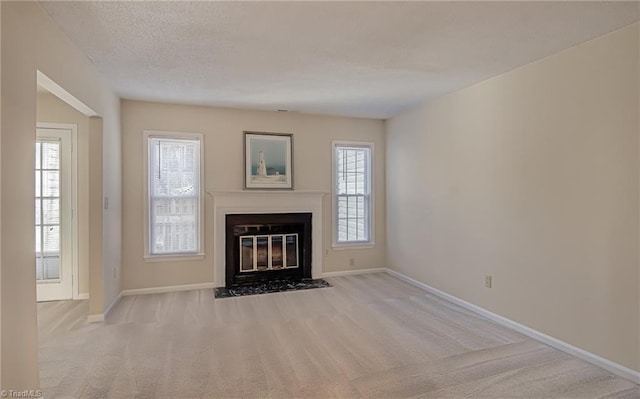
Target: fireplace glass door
[264, 247]
[268, 252]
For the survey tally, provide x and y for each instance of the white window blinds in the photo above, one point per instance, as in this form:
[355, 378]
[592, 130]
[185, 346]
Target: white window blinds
[174, 196]
[353, 194]
[48, 203]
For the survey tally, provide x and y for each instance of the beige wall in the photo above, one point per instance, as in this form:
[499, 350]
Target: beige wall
[50, 109]
[96, 217]
[1, 385]
[31, 40]
[223, 153]
[531, 177]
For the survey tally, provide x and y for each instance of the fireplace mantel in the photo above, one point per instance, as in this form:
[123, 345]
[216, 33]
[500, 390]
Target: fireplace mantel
[241, 202]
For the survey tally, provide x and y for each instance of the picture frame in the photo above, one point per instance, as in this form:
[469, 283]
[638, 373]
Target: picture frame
[268, 161]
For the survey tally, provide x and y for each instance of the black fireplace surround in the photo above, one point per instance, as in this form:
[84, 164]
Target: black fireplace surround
[272, 235]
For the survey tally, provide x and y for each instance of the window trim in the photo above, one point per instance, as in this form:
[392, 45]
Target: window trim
[171, 257]
[334, 196]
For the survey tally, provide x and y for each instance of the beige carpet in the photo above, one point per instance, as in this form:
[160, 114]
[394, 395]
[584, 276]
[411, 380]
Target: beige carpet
[369, 336]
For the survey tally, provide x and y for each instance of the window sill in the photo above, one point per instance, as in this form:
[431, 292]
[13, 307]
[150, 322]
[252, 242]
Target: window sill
[173, 258]
[356, 245]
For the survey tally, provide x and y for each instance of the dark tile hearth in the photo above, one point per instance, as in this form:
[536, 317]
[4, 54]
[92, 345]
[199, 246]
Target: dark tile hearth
[266, 287]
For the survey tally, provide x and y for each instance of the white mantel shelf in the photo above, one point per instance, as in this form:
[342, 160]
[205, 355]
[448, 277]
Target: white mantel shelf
[267, 193]
[263, 201]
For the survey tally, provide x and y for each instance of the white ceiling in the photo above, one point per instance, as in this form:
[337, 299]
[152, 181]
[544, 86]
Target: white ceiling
[371, 59]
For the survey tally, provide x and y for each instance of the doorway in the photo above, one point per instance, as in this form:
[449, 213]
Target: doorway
[55, 219]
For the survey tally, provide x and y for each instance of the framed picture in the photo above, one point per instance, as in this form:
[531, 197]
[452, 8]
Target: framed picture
[268, 161]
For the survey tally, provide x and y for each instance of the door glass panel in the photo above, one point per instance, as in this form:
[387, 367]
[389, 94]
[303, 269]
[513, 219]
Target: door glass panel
[291, 244]
[246, 253]
[51, 155]
[262, 252]
[38, 158]
[47, 208]
[276, 252]
[38, 239]
[38, 216]
[38, 184]
[51, 239]
[50, 183]
[51, 267]
[51, 211]
[39, 269]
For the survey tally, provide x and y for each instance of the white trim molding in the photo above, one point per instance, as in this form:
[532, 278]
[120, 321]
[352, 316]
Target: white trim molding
[52, 87]
[592, 358]
[241, 202]
[165, 289]
[72, 218]
[148, 256]
[74, 200]
[353, 272]
[370, 243]
[97, 318]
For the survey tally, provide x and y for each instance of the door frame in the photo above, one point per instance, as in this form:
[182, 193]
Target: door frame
[75, 291]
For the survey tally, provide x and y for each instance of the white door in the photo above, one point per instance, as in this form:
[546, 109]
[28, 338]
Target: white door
[53, 204]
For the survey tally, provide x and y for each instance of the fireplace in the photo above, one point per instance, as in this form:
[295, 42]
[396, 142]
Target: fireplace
[264, 202]
[264, 247]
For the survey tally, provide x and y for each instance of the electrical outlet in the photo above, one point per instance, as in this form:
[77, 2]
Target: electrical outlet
[352, 261]
[487, 281]
[114, 272]
[326, 252]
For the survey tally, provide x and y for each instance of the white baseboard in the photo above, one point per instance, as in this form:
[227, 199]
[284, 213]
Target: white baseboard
[113, 305]
[97, 318]
[83, 296]
[592, 358]
[353, 272]
[170, 288]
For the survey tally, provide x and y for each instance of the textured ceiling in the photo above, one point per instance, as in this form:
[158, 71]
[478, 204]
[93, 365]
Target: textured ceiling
[371, 59]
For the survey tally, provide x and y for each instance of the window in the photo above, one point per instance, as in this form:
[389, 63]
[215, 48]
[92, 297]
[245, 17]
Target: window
[352, 198]
[174, 203]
